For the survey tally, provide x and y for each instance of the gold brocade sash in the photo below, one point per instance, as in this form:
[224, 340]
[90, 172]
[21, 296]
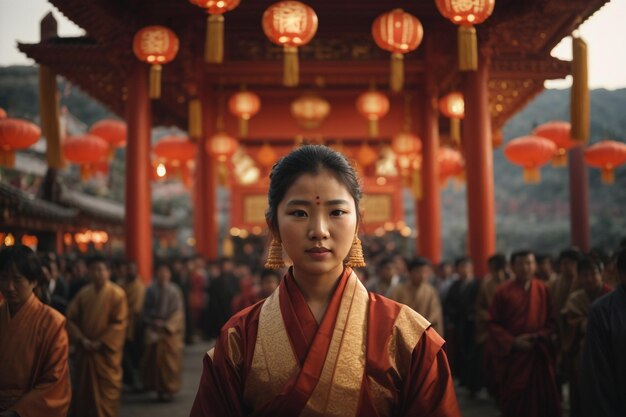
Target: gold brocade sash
[274, 362]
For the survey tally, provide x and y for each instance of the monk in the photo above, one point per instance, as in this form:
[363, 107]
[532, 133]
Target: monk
[575, 313]
[97, 319]
[520, 342]
[34, 372]
[419, 294]
[321, 345]
[164, 317]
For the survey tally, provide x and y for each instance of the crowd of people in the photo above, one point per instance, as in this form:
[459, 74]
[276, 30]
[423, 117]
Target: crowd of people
[75, 332]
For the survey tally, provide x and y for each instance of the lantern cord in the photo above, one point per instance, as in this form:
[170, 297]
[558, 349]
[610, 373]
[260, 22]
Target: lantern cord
[49, 115]
[468, 48]
[243, 127]
[579, 105]
[396, 76]
[532, 175]
[214, 43]
[373, 127]
[455, 131]
[291, 68]
[155, 81]
[559, 160]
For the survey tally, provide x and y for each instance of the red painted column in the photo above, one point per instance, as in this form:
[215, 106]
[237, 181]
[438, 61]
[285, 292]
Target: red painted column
[479, 168]
[429, 206]
[205, 215]
[138, 201]
[579, 199]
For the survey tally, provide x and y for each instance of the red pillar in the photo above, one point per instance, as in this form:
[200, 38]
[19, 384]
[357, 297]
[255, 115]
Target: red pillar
[579, 199]
[429, 206]
[205, 215]
[479, 168]
[138, 201]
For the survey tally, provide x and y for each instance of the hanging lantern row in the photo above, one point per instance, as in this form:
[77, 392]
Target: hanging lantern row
[15, 134]
[398, 32]
[214, 42]
[466, 14]
[452, 105]
[155, 45]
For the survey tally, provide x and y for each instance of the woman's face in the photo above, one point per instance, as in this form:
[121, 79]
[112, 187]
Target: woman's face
[317, 222]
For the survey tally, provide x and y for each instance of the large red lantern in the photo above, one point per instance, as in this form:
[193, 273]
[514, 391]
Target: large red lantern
[113, 131]
[176, 150]
[373, 105]
[452, 105]
[406, 143]
[531, 152]
[214, 43]
[366, 156]
[15, 134]
[266, 157]
[310, 110]
[466, 14]
[290, 24]
[451, 164]
[559, 133]
[88, 151]
[606, 155]
[244, 105]
[155, 45]
[398, 32]
[221, 146]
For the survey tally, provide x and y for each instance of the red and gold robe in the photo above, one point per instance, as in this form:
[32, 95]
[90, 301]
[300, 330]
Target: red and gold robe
[525, 378]
[369, 356]
[34, 374]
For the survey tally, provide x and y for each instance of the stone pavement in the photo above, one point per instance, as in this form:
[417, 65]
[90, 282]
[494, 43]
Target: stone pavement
[145, 404]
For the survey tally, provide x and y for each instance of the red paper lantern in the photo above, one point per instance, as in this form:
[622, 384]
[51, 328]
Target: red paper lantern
[214, 43]
[451, 163]
[373, 105]
[559, 133]
[221, 146]
[406, 143]
[366, 156]
[606, 155]
[466, 14]
[16, 134]
[452, 105]
[88, 151]
[398, 32]
[531, 152]
[310, 110]
[290, 24]
[113, 131]
[244, 105]
[266, 157]
[155, 45]
[175, 150]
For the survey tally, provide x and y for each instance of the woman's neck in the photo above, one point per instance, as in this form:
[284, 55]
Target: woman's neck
[317, 289]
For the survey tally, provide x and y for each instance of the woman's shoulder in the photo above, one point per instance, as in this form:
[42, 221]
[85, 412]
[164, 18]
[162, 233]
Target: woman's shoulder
[396, 319]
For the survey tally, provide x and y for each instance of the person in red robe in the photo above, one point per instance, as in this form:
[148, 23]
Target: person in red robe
[521, 343]
[321, 345]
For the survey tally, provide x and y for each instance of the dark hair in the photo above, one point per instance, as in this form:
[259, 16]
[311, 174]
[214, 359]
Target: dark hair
[266, 273]
[520, 254]
[589, 263]
[571, 254]
[309, 159]
[620, 262]
[461, 260]
[497, 261]
[162, 264]
[386, 261]
[21, 259]
[418, 262]
[97, 258]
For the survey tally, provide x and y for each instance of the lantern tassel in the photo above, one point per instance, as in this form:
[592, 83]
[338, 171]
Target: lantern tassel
[214, 43]
[7, 158]
[455, 131]
[532, 175]
[373, 127]
[49, 115]
[396, 76]
[291, 68]
[417, 184]
[559, 160]
[155, 81]
[85, 172]
[195, 119]
[608, 176]
[579, 105]
[468, 48]
[243, 127]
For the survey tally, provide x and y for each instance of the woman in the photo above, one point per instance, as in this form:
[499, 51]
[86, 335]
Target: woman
[320, 344]
[34, 374]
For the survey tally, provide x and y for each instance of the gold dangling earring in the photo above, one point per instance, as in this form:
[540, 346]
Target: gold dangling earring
[355, 257]
[275, 256]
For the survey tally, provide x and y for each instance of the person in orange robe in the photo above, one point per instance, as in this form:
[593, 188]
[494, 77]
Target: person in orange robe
[521, 343]
[97, 319]
[34, 372]
[321, 345]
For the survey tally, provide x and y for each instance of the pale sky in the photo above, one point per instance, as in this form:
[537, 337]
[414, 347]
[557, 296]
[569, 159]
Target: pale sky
[605, 33]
